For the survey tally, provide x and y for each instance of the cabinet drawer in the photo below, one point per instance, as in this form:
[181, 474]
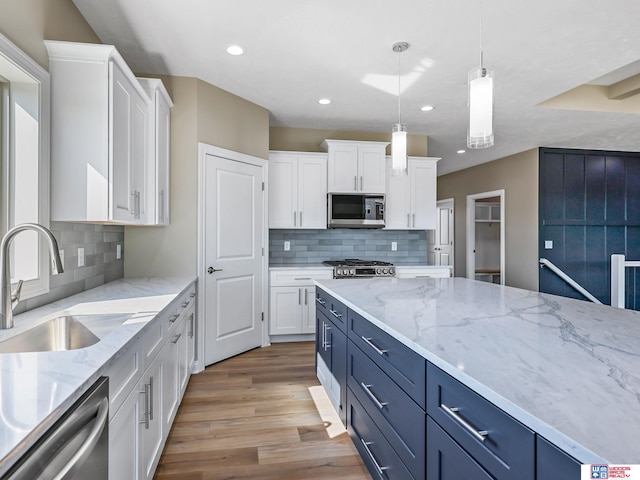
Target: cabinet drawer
[124, 374]
[398, 417]
[294, 278]
[508, 449]
[377, 454]
[336, 311]
[402, 364]
[446, 460]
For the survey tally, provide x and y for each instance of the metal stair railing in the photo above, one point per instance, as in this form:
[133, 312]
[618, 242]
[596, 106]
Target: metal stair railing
[579, 288]
[618, 279]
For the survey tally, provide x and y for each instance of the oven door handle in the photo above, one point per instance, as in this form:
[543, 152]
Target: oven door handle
[89, 444]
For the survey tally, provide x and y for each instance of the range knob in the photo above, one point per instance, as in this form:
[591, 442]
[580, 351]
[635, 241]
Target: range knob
[352, 272]
[339, 272]
[385, 270]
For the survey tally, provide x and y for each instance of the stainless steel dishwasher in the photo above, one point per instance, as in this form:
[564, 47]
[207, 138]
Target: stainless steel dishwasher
[76, 447]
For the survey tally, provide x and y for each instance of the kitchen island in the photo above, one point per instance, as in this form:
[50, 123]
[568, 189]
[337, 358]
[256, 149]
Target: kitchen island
[567, 370]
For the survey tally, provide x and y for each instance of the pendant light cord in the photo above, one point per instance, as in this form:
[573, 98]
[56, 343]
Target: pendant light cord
[482, 69]
[399, 89]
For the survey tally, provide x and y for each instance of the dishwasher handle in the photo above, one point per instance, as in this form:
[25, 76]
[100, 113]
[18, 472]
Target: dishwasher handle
[69, 445]
[89, 444]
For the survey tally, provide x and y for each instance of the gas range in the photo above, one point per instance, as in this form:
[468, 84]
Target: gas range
[353, 267]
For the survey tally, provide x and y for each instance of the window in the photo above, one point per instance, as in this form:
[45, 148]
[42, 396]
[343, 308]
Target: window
[24, 154]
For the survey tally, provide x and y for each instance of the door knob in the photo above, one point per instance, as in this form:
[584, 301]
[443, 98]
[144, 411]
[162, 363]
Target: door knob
[210, 270]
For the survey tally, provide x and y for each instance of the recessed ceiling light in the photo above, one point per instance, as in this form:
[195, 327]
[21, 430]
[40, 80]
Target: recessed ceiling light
[462, 151]
[235, 50]
[324, 101]
[427, 108]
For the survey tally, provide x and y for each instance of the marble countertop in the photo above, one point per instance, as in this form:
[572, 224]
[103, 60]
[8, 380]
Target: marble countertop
[36, 388]
[567, 369]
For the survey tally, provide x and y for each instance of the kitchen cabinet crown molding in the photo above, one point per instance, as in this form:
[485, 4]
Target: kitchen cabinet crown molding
[92, 53]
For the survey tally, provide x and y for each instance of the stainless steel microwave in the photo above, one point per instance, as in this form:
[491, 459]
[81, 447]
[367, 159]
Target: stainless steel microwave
[355, 210]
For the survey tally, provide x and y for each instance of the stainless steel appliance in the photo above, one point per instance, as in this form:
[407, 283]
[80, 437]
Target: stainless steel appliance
[355, 210]
[353, 267]
[76, 447]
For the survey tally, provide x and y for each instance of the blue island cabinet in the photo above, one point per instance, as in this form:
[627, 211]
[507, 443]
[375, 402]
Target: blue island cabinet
[331, 350]
[409, 419]
[551, 462]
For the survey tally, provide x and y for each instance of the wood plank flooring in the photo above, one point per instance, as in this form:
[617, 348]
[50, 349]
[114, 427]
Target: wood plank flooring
[260, 415]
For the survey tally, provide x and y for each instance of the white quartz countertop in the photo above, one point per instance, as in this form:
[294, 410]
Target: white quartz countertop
[567, 369]
[36, 388]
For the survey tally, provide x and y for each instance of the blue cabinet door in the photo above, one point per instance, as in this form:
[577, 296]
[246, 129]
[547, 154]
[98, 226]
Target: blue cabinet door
[446, 460]
[551, 462]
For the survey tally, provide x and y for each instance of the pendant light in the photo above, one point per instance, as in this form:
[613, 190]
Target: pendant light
[481, 84]
[399, 132]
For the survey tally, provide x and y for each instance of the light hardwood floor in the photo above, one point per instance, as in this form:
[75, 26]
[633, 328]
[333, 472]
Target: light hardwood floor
[260, 415]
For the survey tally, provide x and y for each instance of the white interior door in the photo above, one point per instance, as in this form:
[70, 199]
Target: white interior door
[233, 257]
[440, 241]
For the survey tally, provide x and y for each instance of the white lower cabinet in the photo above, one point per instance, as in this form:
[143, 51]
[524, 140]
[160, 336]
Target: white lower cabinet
[124, 438]
[151, 417]
[292, 309]
[140, 424]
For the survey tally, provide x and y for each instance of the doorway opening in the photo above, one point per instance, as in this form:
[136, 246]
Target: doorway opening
[485, 237]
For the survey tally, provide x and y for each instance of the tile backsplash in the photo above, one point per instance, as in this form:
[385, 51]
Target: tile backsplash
[316, 246]
[101, 266]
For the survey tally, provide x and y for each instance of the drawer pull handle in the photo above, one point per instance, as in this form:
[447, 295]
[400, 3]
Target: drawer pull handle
[173, 318]
[320, 301]
[185, 304]
[192, 294]
[336, 314]
[303, 278]
[367, 388]
[453, 413]
[176, 338]
[373, 459]
[371, 344]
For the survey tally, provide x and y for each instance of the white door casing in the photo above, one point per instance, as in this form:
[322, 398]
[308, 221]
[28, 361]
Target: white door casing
[440, 249]
[471, 232]
[232, 257]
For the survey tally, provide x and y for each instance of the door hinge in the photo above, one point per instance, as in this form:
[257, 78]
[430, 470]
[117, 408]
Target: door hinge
[263, 186]
[263, 316]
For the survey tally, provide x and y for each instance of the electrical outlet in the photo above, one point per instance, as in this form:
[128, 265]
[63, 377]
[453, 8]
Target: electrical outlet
[81, 257]
[118, 251]
[548, 244]
[394, 246]
[287, 246]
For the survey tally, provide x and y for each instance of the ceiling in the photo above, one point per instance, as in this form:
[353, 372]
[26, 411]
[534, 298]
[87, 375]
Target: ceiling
[298, 51]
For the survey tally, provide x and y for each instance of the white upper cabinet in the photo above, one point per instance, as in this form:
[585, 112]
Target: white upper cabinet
[99, 137]
[159, 136]
[356, 166]
[411, 199]
[297, 190]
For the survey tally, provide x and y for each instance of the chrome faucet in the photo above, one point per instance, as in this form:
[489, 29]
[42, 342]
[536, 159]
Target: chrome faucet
[9, 300]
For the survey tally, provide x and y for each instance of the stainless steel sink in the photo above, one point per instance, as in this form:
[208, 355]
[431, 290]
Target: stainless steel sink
[59, 333]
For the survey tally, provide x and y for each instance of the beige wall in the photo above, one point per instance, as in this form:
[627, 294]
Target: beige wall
[231, 122]
[518, 176]
[309, 139]
[201, 113]
[28, 22]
